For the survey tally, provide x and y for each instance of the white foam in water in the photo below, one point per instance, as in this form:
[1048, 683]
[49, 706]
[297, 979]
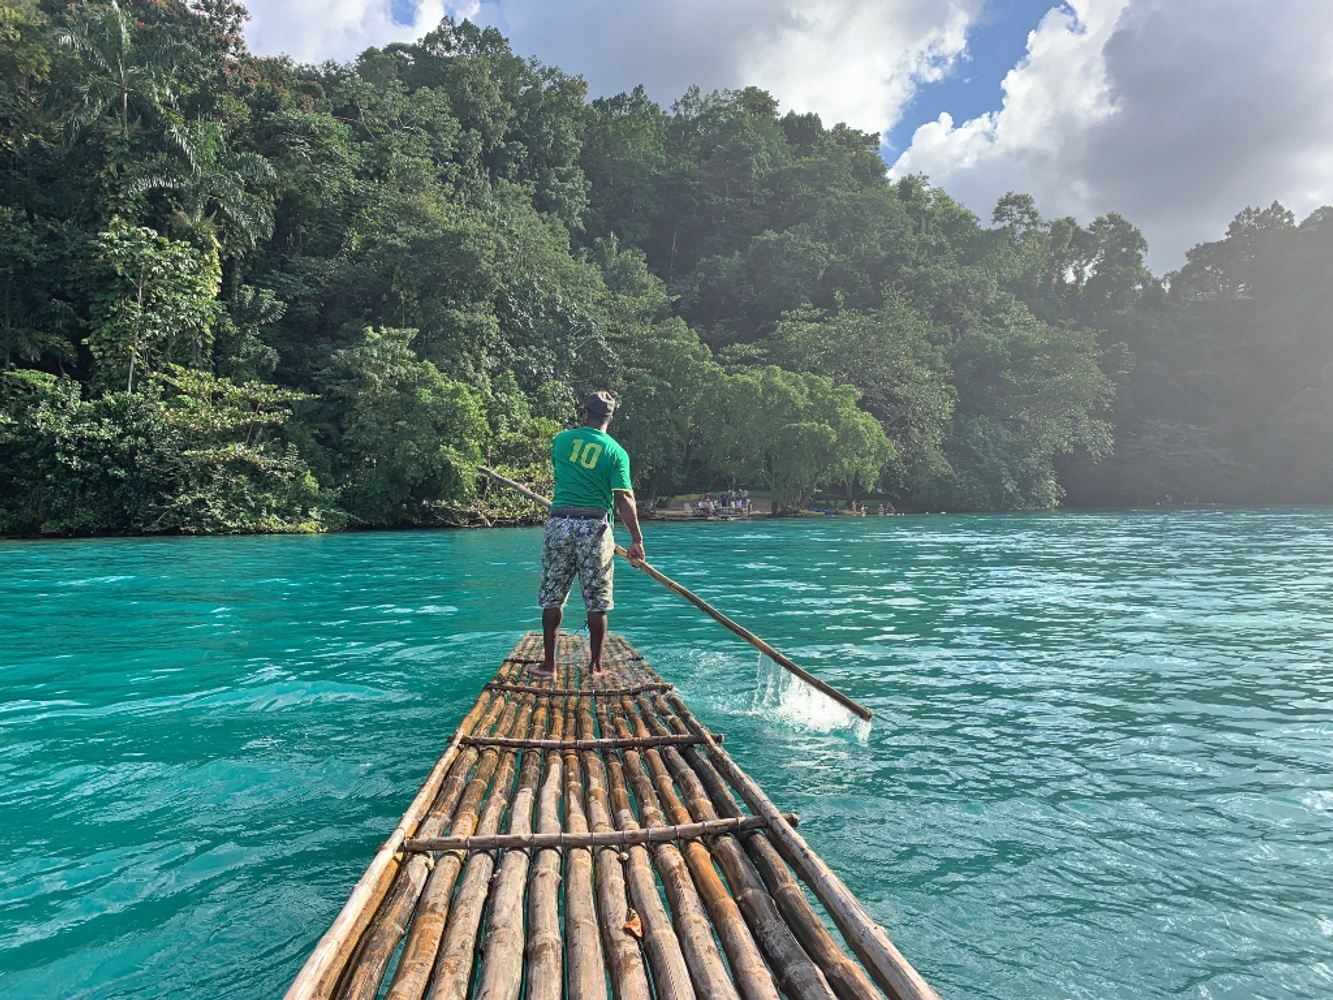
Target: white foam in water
[784, 697]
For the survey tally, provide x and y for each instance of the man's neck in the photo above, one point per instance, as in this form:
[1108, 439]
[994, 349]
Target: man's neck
[597, 425]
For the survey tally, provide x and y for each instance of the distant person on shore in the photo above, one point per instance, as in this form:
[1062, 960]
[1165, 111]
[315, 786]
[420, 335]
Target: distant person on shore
[591, 481]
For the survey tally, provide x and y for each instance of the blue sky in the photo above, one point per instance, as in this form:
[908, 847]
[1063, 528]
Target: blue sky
[1176, 113]
[995, 44]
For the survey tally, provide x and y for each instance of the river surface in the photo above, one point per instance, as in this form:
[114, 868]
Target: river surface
[1101, 766]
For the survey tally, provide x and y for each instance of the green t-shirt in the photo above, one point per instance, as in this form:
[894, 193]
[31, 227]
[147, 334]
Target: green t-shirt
[588, 465]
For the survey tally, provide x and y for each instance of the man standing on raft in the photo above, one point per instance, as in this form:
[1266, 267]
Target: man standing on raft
[591, 482]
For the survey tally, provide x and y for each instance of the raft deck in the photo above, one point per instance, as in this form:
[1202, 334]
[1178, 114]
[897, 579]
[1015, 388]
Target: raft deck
[588, 837]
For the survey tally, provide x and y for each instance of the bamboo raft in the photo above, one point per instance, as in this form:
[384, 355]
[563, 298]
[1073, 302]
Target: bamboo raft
[588, 837]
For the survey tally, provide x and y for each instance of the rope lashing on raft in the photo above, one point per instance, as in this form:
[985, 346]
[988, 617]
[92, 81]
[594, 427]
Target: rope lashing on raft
[615, 838]
[605, 743]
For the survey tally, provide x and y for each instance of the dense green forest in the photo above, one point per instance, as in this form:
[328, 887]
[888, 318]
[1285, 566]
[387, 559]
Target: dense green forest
[242, 294]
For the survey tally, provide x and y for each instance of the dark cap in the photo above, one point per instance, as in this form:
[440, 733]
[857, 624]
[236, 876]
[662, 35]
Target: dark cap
[600, 404]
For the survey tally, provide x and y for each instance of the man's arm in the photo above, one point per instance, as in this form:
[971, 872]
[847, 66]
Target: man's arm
[629, 516]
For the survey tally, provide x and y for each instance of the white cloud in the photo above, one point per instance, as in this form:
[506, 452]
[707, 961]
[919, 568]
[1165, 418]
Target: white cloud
[315, 30]
[846, 59]
[1176, 114]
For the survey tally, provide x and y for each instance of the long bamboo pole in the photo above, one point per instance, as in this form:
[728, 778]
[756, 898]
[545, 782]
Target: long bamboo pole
[501, 974]
[866, 937]
[587, 974]
[624, 959]
[592, 692]
[603, 743]
[544, 959]
[598, 838]
[855, 707]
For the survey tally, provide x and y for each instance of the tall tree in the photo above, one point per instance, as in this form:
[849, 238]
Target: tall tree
[157, 298]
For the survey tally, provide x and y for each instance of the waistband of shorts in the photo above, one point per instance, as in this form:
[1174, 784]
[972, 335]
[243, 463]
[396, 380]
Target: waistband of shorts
[579, 513]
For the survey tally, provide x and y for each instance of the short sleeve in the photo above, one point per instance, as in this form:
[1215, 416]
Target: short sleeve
[620, 473]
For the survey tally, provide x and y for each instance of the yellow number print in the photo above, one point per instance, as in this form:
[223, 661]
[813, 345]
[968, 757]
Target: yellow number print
[586, 453]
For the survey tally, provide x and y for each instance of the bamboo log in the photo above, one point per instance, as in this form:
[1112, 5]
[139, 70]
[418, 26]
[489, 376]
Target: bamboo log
[365, 970]
[843, 974]
[629, 979]
[855, 707]
[323, 968]
[868, 939]
[748, 969]
[671, 972]
[453, 965]
[707, 969]
[501, 973]
[798, 977]
[423, 938]
[587, 976]
[544, 956]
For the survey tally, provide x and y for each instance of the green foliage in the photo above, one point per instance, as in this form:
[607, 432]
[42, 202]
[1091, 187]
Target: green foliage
[129, 73]
[406, 438]
[26, 59]
[793, 432]
[157, 299]
[189, 452]
[898, 359]
[1228, 400]
[1027, 393]
[37, 261]
[235, 473]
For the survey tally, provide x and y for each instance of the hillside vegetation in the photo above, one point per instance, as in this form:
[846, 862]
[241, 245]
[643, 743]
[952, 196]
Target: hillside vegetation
[240, 294]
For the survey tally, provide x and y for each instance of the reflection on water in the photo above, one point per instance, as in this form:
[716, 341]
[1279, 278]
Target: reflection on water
[1099, 768]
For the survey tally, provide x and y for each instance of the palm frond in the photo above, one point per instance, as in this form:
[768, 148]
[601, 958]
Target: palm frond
[177, 135]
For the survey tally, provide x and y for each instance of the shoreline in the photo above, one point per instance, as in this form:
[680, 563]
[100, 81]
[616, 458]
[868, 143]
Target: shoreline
[537, 522]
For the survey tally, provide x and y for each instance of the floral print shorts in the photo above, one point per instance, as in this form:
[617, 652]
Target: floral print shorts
[577, 545]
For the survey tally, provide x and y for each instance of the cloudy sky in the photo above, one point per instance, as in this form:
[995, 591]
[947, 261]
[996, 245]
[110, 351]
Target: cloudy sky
[1177, 113]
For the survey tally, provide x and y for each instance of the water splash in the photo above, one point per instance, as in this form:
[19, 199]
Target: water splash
[782, 696]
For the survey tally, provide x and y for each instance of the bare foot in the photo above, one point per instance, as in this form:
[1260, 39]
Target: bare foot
[594, 668]
[542, 673]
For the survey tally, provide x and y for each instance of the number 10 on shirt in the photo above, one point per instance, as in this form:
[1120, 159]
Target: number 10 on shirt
[585, 453]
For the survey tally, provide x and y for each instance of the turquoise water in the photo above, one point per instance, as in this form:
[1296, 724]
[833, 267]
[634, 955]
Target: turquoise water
[1102, 764]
